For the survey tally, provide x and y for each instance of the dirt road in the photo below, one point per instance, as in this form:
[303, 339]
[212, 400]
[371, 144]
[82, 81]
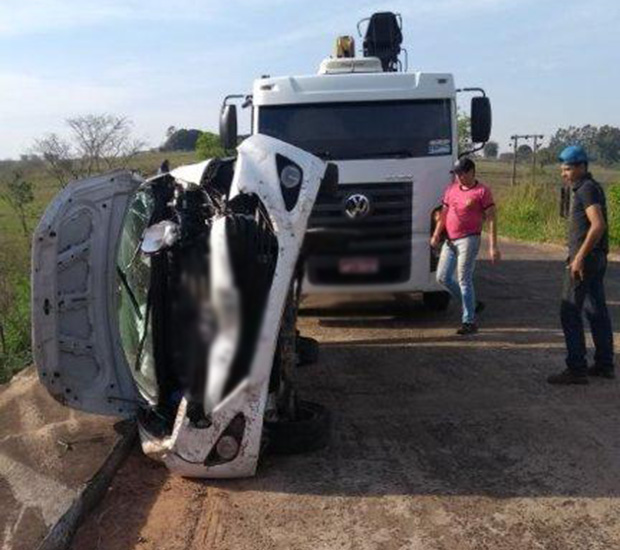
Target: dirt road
[439, 442]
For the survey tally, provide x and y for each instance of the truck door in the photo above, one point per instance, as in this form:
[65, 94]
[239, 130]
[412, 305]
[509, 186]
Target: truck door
[75, 296]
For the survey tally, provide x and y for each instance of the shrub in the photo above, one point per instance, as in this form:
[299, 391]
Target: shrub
[613, 213]
[15, 351]
[208, 146]
[531, 212]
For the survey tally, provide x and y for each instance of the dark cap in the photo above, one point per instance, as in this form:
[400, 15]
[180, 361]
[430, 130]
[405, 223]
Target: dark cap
[463, 165]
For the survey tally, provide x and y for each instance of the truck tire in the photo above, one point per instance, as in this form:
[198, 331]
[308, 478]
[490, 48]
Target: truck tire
[308, 432]
[436, 301]
[307, 350]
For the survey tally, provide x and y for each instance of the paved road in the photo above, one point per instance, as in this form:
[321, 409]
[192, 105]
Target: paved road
[439, 442]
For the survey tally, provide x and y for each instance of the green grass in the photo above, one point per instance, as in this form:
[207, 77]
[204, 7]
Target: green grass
[530, 212]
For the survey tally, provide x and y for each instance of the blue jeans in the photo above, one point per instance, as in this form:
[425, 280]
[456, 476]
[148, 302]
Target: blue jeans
[455, 271]
[587, 296]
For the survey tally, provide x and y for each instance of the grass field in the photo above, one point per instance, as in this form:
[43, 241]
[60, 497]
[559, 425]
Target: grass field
[526, 211]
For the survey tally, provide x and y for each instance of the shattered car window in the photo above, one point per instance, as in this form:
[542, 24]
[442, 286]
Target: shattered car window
[133, 275]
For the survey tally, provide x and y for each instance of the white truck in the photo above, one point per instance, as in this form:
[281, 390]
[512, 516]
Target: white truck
[393, 136]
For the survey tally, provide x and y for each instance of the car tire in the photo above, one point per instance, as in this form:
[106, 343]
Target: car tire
[309, 432]
[436, 301]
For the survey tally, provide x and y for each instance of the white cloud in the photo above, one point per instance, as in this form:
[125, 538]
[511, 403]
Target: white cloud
[18, 17]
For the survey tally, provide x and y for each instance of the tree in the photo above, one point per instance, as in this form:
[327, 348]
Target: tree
[96, 143]
[463, 123]
[17, 193]
[181, 140]
[491, 150]
[208, 146]
[607, 144]
[506, 157]
[602, 144]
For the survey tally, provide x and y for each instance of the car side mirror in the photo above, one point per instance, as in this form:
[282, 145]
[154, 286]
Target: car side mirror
[480, 119]
[228, 126]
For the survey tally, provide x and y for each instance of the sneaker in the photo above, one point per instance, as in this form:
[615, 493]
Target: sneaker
[467, 328]
[480, 307]
[567, 377]
[602, 372]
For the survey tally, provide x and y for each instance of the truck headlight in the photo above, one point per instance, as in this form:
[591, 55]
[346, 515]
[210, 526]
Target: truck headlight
[290, 177]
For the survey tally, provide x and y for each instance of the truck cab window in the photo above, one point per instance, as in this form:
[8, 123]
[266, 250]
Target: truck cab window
[358, 130]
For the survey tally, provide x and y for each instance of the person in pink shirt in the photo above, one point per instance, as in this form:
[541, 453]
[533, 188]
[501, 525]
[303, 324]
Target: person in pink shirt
[467, 204]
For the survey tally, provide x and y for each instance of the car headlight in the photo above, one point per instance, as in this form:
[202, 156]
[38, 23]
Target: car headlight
[290, 177]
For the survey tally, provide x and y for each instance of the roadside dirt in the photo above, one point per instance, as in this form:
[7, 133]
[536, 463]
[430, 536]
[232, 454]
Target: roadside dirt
[47, 453]
[439, 443]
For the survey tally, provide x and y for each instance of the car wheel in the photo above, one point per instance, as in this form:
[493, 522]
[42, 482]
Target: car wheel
[309, 431]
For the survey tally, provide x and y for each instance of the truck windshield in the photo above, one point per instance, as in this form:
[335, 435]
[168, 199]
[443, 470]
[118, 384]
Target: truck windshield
[363, 129]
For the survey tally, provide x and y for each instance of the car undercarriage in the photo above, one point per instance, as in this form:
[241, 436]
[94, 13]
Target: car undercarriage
[189, 283]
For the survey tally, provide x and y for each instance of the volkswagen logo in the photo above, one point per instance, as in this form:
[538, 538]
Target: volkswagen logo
[357, 206]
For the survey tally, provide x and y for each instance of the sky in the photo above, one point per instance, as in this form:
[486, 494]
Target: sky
[545, 64]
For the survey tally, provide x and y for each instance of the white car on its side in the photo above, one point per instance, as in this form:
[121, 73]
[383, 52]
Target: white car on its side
[172, 300]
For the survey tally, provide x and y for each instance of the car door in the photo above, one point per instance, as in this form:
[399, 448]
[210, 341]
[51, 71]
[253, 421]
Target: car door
[75, 296]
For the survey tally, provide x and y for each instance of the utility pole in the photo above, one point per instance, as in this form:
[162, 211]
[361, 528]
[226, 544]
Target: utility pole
[515, 142]
[534, 155]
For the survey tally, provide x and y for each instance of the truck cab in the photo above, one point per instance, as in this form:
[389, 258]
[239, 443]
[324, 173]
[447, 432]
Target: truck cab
[393, 136]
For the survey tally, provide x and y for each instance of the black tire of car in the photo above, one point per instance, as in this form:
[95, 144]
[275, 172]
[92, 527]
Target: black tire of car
[309, 432]
[436, 301]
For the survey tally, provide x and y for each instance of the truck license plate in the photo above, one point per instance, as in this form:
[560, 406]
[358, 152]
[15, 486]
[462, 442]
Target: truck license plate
[358, 266]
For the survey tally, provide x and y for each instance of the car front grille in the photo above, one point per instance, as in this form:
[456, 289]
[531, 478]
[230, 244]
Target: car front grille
[384, 234]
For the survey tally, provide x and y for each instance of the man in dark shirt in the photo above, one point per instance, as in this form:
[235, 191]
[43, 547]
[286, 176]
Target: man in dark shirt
[583, 289]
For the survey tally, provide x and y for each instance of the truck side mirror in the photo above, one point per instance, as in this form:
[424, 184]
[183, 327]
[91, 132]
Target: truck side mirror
[228, 126]
[480, 119]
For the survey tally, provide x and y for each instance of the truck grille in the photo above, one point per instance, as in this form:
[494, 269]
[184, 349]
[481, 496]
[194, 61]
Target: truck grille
[384, 234]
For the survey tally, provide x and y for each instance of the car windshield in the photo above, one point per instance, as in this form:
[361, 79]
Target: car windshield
[133, 273]
[363, 129]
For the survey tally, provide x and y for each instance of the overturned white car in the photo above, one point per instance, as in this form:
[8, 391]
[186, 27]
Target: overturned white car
[173, 300]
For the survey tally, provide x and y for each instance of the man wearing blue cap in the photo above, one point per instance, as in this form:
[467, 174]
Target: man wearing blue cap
[583, 289]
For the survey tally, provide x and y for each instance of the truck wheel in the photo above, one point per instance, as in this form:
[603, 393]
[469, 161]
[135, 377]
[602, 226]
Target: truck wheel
[308, 432]
[307, 350]
[437, 301]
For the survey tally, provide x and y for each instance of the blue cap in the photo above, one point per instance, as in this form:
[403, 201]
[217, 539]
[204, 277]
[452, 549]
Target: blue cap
[573, 154]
